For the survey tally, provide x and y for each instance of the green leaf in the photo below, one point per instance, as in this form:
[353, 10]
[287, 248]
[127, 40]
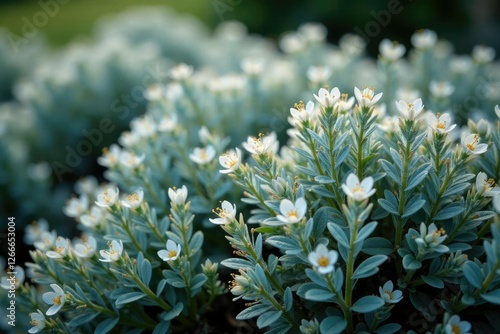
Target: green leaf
[433, 281]
[236, 263]
[106, 325]
[418, 176]
[449, 211]
[282, 242]
[473, 274]
[367, 304]
[324, 179]
[160, 286]
[129, 297]
[337, 233]
[146, 272]
[332, 325]
[83, 318]
[410, 263]
[377, 245]
[174, 312]
[492, 296]
[366, 231]
[288, 299]
[196, 241]
[388, 328]
[197, 282]
[268, 318]
[162, 327]
[258, 246]
[388, 206]
[369, 266]
[390, 170]
[319, 295]
[253, 311]
[413, 205]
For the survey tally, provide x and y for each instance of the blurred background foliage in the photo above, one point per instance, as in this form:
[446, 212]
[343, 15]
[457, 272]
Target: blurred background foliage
[464, 23]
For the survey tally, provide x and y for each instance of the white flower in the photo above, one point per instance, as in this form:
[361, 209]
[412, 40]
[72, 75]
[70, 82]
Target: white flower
[441, 89]
[86, 185]
[292, 213]
[312, 32]
[143, 126]
[181, 72]
[227, 213]
[252, 66]
[37, 321]
[440, 123]
[407, 93]
[202, 155]
[485, 186]
[60, 250]
[292, 43]
[410, 111]
[389, 124]
[113, 253]
[239, 285]
[367, 97]
[93, 218]
[86, 248]
[424, 39]
[483, 54]
[344, 104]
[432, 238]
[128, 138]
[171, 253]
[388, 294]
[33, 232]
[262, 144]
[455, 326]
[107, 198]
[15, 278]
[327, 98]
[230, 160]
[46, 241]
[471, 144]
[318, 74]
[356, 190]
[496, 202]
[167, 123]
[178, 196]
[497, 110]
[154, 92]
[56, 299]
[460, 64]
[75, 207]
[323, 259]
[134, 200]
[301, 113]
[110, 156]
[391, 50]
[204, 135]
[130, 160]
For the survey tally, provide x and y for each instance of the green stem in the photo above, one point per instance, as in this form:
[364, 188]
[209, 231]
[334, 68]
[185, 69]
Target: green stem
[343, 305]
[278, 307]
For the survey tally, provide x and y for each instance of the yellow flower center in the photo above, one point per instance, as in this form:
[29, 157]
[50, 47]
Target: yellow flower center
[292, 214]
[299, 106]
[33, 322]
[56, 300]
[133, 198]
[472, 146]
[59, 250]
[488, 184]
[389, 293]
[323, 261]
[172, 253]
[358, 189]
[455, 329]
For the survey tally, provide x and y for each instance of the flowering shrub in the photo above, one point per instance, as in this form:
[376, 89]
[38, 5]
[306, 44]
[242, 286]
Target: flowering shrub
[369, 200]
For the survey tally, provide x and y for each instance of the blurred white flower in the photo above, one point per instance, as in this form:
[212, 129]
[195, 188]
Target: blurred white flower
[167, 123]
[110, 156]
[344, 103]
[154, 93]
[202, 155]
[171, 253]
[15, 278]
[471, 144]
[455, 326]
[292, 43]
[133, 200]
[130, 160]
[388, 294]
[107, 198]
[33, 232]
[86, 185]
[327, 98]
[424, 39]
[113, 253]
[497, 110]
[441, 89]
[367, 98]
[356, 190]
[93, 218]
[486, 187]
[178, 196]
[440, 123]
[312, 32]
[144, 126]
[181, 72]
[252, 66]
[292, 212]
[263, 144]
[496, 203]
[432, 237]
[230, 160]
[483, 54]
[37, 321]
[318, 74]
[460, 64]
[226, 213]
[410, 111]
[55, 298]
[75, 207]
[46, 241]
[61, 249]
[204, 134]
[323, 259]
[129, 138]
[86, 247]
[389, 124]
[391, 50]
[407, 93]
